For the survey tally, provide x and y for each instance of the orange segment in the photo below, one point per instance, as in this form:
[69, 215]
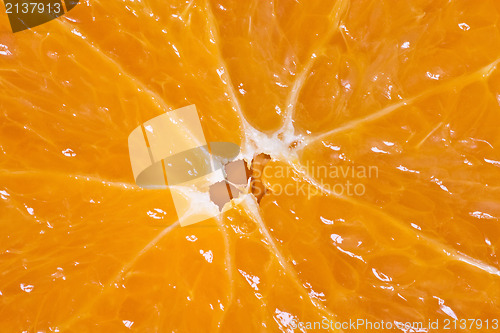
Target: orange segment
[346, 256]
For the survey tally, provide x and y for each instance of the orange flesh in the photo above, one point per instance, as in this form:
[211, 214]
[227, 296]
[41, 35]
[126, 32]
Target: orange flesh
[408, 88]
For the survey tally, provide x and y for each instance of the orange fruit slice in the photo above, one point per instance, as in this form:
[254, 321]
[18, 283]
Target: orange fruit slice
[378, 204]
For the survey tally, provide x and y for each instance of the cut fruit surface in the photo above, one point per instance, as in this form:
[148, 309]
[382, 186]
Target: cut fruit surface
[371, 130]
